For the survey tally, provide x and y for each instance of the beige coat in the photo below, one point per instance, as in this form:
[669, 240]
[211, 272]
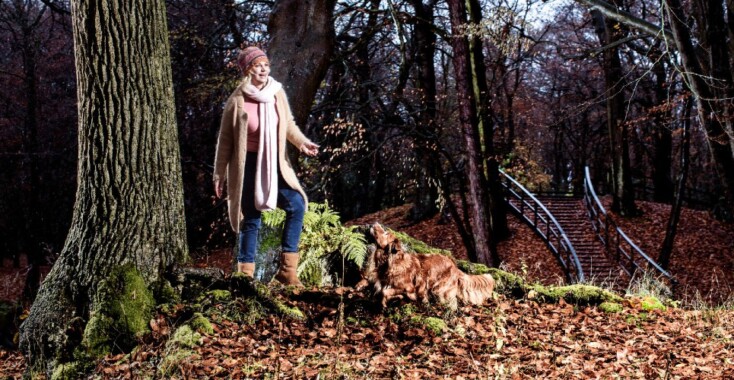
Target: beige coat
[229, 162]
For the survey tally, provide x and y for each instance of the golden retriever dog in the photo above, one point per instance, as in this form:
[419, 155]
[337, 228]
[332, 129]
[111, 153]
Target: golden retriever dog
[396, 273]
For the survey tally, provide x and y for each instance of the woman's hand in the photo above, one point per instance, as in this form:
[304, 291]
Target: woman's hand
[218, 187]
[310, 149]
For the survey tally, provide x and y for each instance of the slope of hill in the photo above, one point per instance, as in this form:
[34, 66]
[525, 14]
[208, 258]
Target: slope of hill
[345, 334]
[702, 260]
[703, 254]
[524, 252]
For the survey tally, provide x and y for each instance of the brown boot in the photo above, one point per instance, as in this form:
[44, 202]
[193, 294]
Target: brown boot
[247, 268]
[287, 274]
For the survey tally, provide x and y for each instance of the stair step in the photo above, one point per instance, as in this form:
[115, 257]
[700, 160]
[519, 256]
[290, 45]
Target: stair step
[571, 214]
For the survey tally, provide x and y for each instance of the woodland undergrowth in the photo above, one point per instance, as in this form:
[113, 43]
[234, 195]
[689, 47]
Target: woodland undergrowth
[238, 328]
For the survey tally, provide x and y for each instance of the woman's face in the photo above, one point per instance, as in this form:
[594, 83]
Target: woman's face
[259, 72]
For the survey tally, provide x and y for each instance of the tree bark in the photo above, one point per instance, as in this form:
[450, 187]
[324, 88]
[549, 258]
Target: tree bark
[663, 140]
[623, 195]
[424, 42]
[496, 206]
[301, 46]
[666, 250]
[129, 206]
[469, 124]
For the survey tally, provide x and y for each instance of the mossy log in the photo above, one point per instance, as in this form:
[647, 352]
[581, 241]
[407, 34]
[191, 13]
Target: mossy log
[240, 284]
[197, 282]
[515, 286]
[191, 282]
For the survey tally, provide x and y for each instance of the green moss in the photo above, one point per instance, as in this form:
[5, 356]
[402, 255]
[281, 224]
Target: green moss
[134, 303]
[418, 246]
[184, 337]
[253, 311]
[508, 283]
[472, 268]
[218, 295]
[178, 349]
[165, 293]
[36, 375]
[201, 324]
[291, 312]
[577, 294]
[168, 309]
[263, 293]
[610, 307]
[435, 325]
[122, 308]
[398, 314]
[97, 335]
[68, 371]
[650, 303]
[513, 285]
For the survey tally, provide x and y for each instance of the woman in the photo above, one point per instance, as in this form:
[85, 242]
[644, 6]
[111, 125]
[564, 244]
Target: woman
[251, 158]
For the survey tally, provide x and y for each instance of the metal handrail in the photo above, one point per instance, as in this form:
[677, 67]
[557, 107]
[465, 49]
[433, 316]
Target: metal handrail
[607, 230]
[544, 224]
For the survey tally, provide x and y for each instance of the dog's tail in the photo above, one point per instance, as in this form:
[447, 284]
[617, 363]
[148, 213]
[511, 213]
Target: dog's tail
[475, 289]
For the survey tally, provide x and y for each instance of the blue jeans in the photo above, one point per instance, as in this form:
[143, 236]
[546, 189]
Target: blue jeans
[291, 201]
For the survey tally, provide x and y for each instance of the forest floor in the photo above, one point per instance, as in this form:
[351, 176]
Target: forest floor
[346, 335]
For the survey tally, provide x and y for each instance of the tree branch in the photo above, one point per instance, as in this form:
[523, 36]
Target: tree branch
[612, 12]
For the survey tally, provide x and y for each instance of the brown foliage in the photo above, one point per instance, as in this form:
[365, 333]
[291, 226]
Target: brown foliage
[511, 339]
[703, 254]
[345, 334]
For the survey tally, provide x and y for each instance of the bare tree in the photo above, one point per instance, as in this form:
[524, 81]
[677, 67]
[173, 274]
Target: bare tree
[426, 136]
[666, 249]
[478, 197]
[610, 33]
[24, 19]
[709, 76]
[496, 202]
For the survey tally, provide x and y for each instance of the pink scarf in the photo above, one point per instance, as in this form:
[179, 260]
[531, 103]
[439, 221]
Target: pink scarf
[266, 176]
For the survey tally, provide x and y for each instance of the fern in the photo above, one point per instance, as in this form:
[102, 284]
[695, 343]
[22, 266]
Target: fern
[323, 236]
[354, 246]
[274, 219]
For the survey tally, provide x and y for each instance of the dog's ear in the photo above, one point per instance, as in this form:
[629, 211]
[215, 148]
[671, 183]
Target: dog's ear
[381, 235]
[394, 246]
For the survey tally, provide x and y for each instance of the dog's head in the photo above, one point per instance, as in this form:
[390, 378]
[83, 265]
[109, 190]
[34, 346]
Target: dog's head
[386, 240]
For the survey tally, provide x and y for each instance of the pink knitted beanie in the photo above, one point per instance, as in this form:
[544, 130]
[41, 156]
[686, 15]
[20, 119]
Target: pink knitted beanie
[248, 56]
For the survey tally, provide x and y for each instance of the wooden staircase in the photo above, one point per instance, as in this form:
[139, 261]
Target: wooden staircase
[598, 267]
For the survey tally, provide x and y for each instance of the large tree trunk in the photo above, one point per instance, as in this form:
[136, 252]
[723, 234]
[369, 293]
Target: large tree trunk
[623, 195]
[301, 46]
[129, 206]
[477, 197]
[424, 41]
